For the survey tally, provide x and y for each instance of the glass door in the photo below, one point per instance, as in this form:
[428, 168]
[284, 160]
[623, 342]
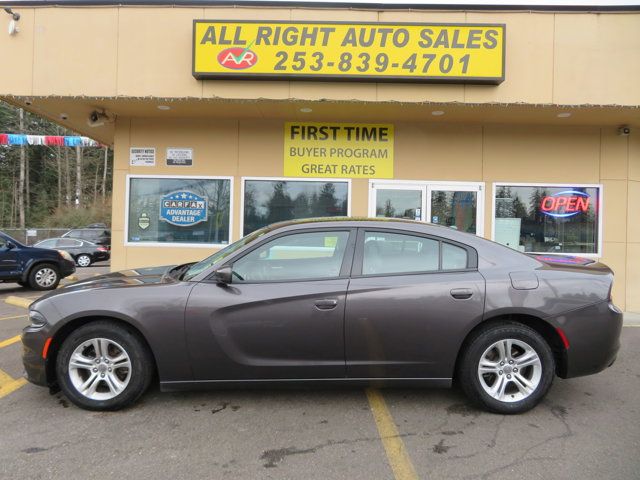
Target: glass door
[454, 205]
[398, 201]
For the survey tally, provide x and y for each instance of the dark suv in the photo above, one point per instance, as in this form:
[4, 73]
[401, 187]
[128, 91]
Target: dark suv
[38, 268]
[99, 236]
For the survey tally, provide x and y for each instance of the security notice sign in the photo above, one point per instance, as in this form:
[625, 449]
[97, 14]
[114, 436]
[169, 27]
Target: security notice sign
[443, 53]
[142, 157]
[338, 150]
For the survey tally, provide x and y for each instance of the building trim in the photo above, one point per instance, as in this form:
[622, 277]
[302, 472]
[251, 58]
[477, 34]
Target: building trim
[502, 5]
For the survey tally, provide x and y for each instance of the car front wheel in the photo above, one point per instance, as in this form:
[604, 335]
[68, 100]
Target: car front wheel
[83, 260]
[104, 366]
[507, 368]
[44, 277]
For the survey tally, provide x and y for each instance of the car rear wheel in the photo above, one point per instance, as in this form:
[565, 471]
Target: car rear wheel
[83, 260]
[104, 366]
[44, 277]
[507, 368]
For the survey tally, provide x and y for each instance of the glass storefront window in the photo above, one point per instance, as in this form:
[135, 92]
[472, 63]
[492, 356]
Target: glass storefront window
[179, 210]
[548, 219]
[270, 201]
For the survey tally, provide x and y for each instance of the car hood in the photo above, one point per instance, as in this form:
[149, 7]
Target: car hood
[123, 278]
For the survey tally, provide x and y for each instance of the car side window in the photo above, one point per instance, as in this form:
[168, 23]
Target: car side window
[3, 243]
[390, 253]
[298, 256]
[67, 242]
[454, 257]
[47, 243]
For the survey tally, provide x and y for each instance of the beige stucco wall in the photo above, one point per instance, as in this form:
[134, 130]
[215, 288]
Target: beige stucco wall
[482, 153]
[551, 58]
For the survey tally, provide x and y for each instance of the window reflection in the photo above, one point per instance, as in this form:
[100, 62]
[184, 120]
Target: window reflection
[270, 201]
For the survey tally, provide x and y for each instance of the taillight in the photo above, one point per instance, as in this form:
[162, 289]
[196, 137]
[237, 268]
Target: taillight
[102, 249]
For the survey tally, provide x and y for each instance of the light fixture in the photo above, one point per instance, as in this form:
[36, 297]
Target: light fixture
[564, 114]
[306, 110]
[164, 107]
[13, 24]
[64, 116]
[437, 113]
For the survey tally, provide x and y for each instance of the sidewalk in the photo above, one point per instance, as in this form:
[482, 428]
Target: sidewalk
[631, 318]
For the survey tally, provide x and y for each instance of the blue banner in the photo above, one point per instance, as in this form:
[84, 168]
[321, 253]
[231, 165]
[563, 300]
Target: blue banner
[183, 208]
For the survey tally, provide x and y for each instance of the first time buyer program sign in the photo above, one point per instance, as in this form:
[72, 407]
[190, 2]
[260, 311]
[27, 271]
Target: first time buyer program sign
[354, 150]
[444, 53]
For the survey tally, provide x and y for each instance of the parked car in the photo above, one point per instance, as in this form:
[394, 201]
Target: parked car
[83, 252]
[322, 301]
[38, 268]
[99, 236]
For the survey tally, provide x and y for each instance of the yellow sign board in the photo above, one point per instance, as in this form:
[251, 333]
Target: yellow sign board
[454, 53]
[341, 150]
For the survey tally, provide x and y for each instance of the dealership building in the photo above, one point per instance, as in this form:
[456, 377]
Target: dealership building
[517, 121]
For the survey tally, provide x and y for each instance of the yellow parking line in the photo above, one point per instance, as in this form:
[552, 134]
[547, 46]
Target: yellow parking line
[18, 301]
[9, 384]
[9, 341]
[394, 446]
[12, 317]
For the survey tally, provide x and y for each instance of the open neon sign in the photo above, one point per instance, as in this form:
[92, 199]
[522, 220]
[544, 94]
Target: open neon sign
[565, 204]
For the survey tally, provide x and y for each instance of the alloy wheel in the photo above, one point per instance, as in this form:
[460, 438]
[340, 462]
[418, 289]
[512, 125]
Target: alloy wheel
[509, 370]
[100, 369]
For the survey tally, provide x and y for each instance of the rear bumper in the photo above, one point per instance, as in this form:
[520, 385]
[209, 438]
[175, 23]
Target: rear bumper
[593, 333]
[101, 256]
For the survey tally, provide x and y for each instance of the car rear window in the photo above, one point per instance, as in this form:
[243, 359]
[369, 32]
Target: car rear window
[398, 253]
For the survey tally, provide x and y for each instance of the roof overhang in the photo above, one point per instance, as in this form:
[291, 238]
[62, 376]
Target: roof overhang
[74, 113]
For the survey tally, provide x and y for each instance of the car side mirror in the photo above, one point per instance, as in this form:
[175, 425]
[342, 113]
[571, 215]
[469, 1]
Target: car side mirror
[223, 275]
[10, 245]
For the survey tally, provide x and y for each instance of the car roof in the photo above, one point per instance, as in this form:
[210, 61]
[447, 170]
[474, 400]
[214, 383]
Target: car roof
[349, 221]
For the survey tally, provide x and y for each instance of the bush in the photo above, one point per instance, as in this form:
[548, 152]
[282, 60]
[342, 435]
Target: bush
[71, 217]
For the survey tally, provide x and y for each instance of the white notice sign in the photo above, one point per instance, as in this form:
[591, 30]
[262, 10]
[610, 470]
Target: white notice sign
[142, 157]
[179, 157]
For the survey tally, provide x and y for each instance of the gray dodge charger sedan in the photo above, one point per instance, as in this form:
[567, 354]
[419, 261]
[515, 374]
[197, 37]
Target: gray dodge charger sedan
[331, 301]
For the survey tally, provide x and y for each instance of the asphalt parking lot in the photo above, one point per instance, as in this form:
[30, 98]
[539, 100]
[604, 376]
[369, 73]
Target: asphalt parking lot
[587, 428]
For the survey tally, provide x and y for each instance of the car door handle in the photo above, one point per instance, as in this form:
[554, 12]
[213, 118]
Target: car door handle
[461, 293]
[326, 304]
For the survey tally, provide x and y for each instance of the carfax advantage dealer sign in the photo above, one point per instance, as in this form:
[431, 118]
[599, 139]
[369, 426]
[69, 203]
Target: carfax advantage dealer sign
[462, 53]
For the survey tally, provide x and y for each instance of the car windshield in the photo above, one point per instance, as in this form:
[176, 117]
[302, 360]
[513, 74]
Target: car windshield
[12, 240]
[201, 266]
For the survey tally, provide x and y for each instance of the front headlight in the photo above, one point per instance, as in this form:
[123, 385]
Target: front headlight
[37, 319]
[65, 255]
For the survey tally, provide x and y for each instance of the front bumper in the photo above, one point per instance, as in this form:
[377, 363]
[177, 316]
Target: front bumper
[593, 333]
[67, 268]
[35, 366]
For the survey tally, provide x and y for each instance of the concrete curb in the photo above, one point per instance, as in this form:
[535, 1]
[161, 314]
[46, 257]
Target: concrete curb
[18, 302]
[631, 319]
[73, 278]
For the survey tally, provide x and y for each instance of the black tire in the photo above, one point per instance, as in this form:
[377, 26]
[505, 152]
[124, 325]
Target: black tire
[475, 348]
[84, 258]
[142, 364]
[40, 269]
